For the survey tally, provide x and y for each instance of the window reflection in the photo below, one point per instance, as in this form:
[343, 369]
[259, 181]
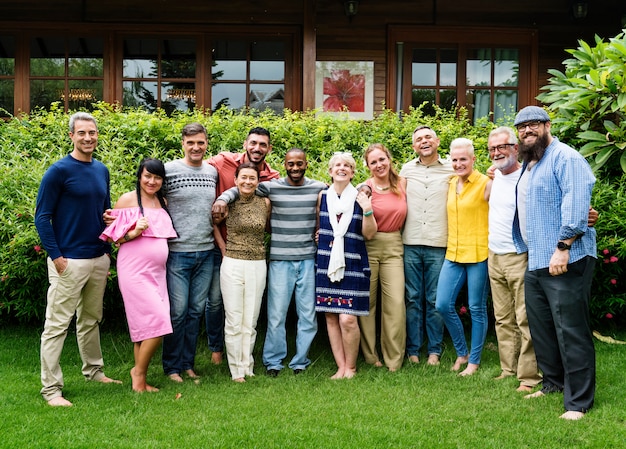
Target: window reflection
[248, 74]
[433, 69]
[7, 75]
[160, 73]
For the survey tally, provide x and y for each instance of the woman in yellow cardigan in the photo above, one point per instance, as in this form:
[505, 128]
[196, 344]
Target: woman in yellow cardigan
[466, 255]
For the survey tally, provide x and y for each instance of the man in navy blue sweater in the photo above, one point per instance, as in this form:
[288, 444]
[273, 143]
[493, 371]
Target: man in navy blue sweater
[73, 194]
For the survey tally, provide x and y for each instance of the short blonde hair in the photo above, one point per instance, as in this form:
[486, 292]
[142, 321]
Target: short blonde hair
[345, 156]
[462, 142]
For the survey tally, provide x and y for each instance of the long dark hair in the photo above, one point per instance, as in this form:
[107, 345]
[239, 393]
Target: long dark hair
[155, 167]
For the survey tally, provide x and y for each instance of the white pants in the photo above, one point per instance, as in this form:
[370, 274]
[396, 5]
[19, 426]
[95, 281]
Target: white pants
[242, 283]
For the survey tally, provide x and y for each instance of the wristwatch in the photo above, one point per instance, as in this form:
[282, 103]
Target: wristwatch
[563, 246]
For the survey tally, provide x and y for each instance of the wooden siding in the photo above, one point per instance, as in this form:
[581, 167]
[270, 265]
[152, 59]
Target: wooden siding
[325, 33]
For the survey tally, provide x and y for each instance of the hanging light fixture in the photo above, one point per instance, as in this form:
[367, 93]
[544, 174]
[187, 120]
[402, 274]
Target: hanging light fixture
[579, 9]
[351, 7]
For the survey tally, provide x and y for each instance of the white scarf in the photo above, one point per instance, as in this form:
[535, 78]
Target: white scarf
[343, 206]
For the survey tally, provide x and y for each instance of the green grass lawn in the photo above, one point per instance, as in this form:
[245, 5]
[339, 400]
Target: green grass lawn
[418, 406]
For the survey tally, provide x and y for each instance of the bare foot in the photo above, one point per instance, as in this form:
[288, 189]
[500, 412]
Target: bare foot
[151, 389]
[536, 394]
[571, 415]
[239, 380]
[433, 359]
[502, 376]
[59, 401]
[216, 358]
[460, 361]
[338, 375]
[108, 380]
[349, 373]
[414, 359]
[176, 378]
[378, 364]
[524, 389]
[392, 370]
[471, 369]
[138, 381]
[191, 374]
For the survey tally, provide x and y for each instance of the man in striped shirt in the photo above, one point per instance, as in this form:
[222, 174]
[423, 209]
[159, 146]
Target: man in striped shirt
[292, 260]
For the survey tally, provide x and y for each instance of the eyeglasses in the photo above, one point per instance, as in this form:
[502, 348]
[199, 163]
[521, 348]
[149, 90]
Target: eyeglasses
[532, 125]
[500, 148]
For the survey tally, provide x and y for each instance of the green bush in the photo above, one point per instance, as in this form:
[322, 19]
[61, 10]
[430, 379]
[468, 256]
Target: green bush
[589, 100]
[28, 146]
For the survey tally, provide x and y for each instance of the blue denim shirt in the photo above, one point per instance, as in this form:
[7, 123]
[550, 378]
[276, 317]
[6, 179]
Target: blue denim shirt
[557, 206]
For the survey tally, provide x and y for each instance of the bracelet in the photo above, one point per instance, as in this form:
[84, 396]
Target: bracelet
[127, 237]
[367, 214]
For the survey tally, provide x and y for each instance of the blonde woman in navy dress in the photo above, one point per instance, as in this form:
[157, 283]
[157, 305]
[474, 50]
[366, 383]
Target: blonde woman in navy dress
[342, 281]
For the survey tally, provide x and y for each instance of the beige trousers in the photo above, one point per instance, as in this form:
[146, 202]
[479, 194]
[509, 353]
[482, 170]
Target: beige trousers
[78, 291]
[385, 252]
[517, 355]
[242, 283]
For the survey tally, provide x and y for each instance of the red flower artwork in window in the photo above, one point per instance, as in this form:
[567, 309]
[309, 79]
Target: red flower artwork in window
[344, 91]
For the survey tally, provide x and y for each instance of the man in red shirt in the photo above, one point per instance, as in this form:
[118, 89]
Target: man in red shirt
[256, 146]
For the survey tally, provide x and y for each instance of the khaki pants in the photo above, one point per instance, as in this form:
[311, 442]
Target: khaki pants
[517, 355]
[385, 252]
[78, 291]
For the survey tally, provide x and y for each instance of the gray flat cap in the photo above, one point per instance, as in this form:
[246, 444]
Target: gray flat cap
[530, 114]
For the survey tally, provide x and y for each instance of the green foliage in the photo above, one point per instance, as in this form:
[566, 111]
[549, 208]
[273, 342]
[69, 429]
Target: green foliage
[608, 294]
[589, 100]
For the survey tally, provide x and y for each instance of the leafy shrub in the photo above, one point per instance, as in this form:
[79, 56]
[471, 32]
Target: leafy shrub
[589, 100]
[29, 145]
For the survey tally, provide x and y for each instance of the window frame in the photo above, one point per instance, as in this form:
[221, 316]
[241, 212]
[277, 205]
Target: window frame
[409, 37]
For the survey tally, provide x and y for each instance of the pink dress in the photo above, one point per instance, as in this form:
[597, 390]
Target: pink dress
[141, 271]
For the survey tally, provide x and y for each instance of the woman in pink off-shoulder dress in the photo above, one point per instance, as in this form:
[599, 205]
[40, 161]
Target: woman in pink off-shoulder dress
[141, 228]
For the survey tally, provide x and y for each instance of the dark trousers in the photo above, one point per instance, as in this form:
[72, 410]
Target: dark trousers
[558, 316]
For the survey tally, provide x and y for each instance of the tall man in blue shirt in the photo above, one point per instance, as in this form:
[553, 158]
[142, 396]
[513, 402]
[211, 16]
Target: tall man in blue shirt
[553, 198]
[72, 196]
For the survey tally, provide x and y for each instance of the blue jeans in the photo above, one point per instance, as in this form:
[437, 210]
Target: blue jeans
[188, 280]
[284, 278]
[214, 314]
[452, 278]
[422, 265]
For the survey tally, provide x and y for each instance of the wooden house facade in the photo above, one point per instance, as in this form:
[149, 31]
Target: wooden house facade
[491, 56]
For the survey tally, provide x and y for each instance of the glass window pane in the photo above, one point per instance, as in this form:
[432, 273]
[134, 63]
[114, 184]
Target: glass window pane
[230, 95]
[230, 60]
[478, 103]
[447, 99]
[178, 97]
[85, 57]
[506, 68]
[7, 56]
[447, 68]
[83, 93]
[44, 92]
[178, 58]
[420, 96]
[267, 70]
[505, 104]
[140, 58]
[479, 67]
[6, 97]
[140, 93]
[424, 67]
[47, 56]
[267, 96]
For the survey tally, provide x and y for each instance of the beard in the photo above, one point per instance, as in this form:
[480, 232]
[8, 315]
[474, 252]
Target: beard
[535, 151]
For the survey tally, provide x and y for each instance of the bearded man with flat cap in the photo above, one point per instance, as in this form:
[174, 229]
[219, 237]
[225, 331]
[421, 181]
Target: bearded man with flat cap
[553, 198]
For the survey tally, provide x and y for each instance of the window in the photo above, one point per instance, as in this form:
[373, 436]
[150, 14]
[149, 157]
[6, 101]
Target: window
[7, 75]
[248, 74]
[488, 71]
[159, 73]
[492, 82]
[66, 70]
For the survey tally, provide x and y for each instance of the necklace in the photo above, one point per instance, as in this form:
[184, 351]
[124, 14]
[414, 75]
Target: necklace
[382, 189]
